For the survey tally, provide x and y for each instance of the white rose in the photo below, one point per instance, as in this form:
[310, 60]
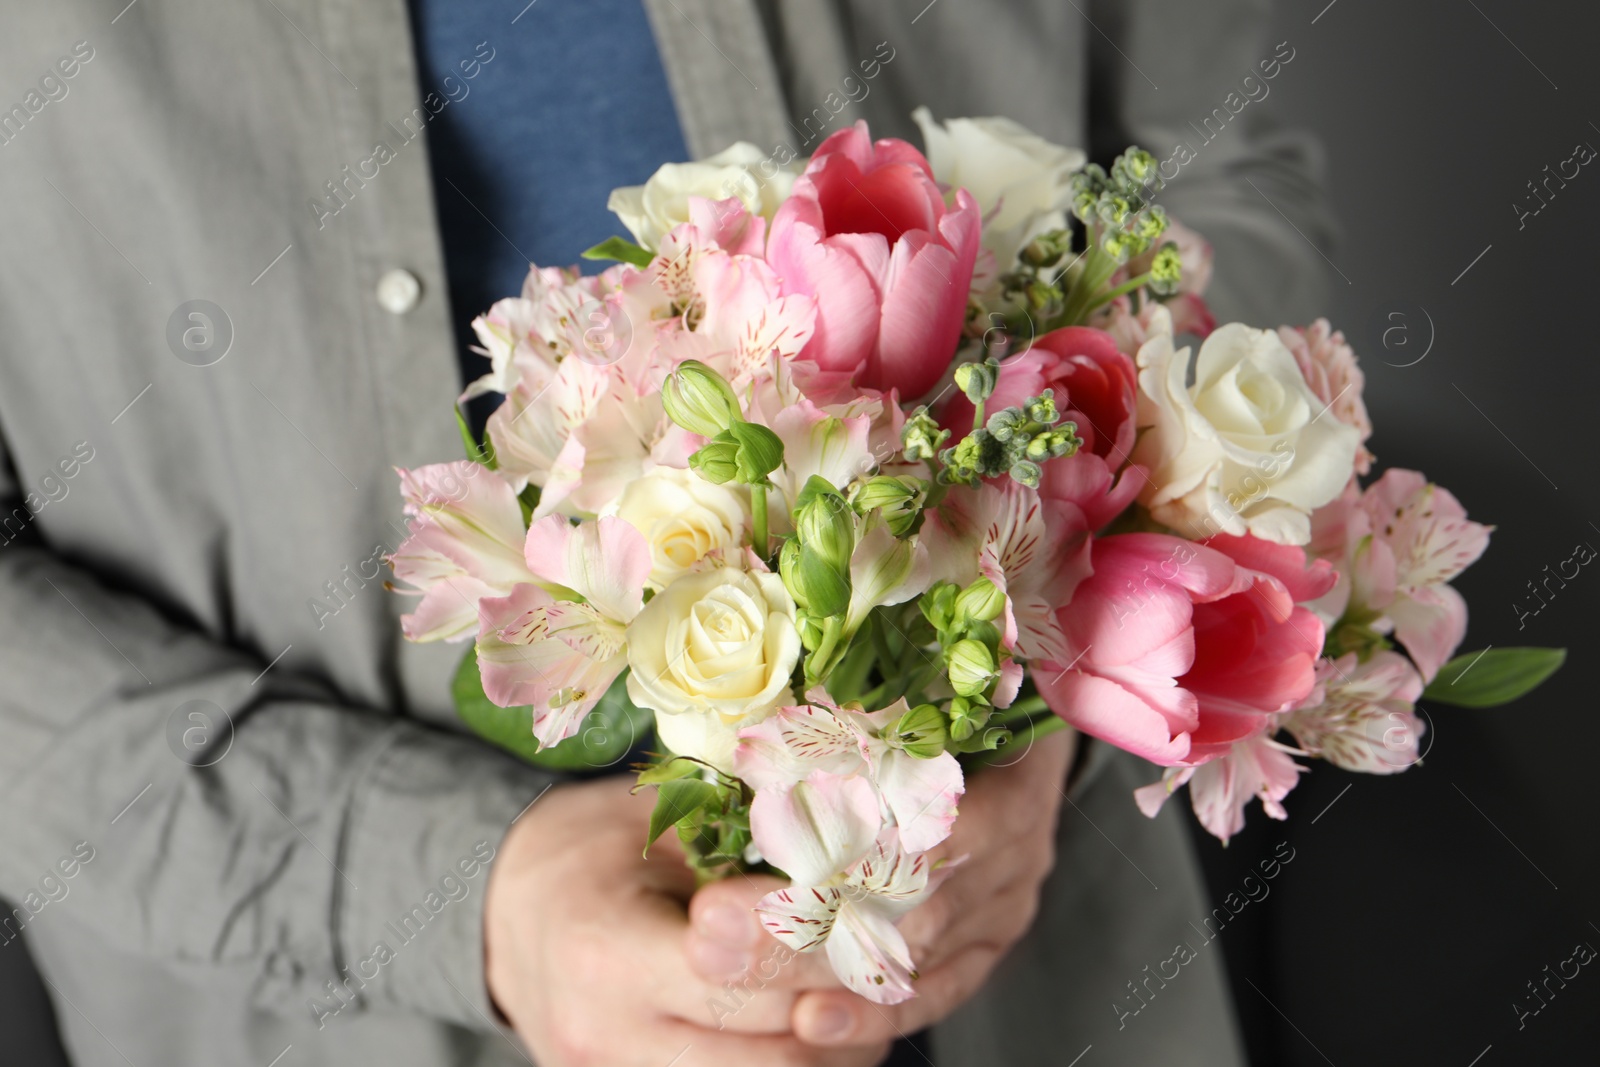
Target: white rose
[654, 209]
[1019, 179]
[711, 654]
[684, 519]
[1248, 448]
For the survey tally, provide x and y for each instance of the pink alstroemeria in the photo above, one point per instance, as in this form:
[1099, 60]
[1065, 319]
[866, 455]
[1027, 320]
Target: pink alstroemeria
[853, 914]
[1397, 545]
[735, 314]
[1255, 766]
[867, 232]
[1363, 715]
[808, 759]
[560, 656]
[465, 544]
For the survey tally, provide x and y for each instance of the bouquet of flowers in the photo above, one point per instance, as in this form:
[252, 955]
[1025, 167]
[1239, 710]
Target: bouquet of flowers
[843, 481]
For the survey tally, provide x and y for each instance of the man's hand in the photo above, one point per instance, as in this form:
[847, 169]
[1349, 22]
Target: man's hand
[584, 948]
[1006, 831]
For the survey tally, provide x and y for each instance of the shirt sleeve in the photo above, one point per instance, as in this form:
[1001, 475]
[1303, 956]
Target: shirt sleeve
[341, 852]
[1198, 86]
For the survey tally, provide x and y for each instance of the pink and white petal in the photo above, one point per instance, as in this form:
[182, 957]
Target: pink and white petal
[870, 955]
[801, 917]
[1256, 767]
[606, 561]
[922, 794]
[448, 611]
[1151, 798]
[1430, 622]
[818, 828]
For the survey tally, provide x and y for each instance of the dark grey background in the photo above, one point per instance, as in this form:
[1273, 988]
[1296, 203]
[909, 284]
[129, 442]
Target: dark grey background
[1408, 922]
[1418, 906]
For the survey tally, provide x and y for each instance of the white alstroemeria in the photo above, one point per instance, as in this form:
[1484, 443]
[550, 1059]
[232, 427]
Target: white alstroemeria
[654, 209]
[560, 656]
[884, 570]
[781, 757]
[853, 914]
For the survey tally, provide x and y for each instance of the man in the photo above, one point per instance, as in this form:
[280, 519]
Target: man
[226, 320]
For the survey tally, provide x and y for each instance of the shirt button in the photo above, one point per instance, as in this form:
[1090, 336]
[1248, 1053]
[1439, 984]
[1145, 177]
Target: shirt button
[398, 291]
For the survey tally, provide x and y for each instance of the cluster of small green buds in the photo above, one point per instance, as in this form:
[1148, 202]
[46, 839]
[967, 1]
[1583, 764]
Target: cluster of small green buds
[1015, 441]
[1166, 270]
[920, 732]
[965, 623]
[1117, 205]
[702, 402]
[922, 437]
[899, 499]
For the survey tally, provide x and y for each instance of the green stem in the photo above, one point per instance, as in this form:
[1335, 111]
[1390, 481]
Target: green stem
[832, 629]
[1126, 287]
[1023, 736]
[758, 512]
[977, 415]
[1026, 708]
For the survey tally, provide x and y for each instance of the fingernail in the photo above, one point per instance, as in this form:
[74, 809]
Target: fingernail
[727, 924]
[832, 1023]
[715, 960]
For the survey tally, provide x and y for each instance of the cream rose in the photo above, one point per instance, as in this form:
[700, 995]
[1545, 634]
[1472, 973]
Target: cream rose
[1247, 448]
[710, 654]
[1019, 179]
[654, 209]
[684, 519]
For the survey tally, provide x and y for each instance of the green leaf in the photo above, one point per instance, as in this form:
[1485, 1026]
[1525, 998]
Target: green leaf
[607, 734]
[677, 801]
[672, 769]
[622, 251]
[483, 453]
[1493, 676]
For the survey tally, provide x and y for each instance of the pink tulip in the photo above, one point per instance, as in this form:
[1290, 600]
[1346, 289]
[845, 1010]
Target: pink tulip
[867, 233]
[1176, 650]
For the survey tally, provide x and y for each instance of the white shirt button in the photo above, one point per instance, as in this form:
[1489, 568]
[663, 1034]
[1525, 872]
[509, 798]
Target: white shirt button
[398, 291]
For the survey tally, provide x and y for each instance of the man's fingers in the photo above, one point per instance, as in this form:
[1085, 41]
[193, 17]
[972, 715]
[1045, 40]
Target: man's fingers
[726, 941]
[663, 980]
[837, 1019]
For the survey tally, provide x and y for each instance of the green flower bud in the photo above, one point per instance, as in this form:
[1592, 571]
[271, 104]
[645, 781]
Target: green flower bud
[978, 380]
[1134, 170]
[920, 732]
[817, 587]
[938, 605]
[967, 717]
[760, 451]
[885, 492]
[1166, 270]
[981, 601]
[1151, 222]
[827, 526]
[1026, 472]
[922, 437]
[1042, 408]
[718, 461]
[1004, 424]
[699, 399]
[972, 668]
